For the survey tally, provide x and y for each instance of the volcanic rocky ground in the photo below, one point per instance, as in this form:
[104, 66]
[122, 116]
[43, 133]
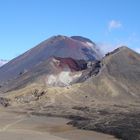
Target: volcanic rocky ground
[68, 77]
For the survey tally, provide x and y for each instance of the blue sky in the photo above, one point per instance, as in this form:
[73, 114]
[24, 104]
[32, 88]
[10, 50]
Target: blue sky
[109, 23]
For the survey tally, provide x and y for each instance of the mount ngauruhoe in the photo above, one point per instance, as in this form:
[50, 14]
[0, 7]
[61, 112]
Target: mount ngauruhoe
[69, 77]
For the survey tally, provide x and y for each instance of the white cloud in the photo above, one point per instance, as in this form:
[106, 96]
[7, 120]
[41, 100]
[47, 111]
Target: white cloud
[107, 47]
[114, 24]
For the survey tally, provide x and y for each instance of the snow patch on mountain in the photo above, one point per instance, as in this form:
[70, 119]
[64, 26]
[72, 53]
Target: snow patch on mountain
[89, 43]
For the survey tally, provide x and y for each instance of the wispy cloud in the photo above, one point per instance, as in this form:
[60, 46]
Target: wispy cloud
[108, 47]
[114, 24]
[132, 41]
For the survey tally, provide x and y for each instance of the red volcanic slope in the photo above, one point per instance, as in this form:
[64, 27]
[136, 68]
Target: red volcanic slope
[73, 65]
